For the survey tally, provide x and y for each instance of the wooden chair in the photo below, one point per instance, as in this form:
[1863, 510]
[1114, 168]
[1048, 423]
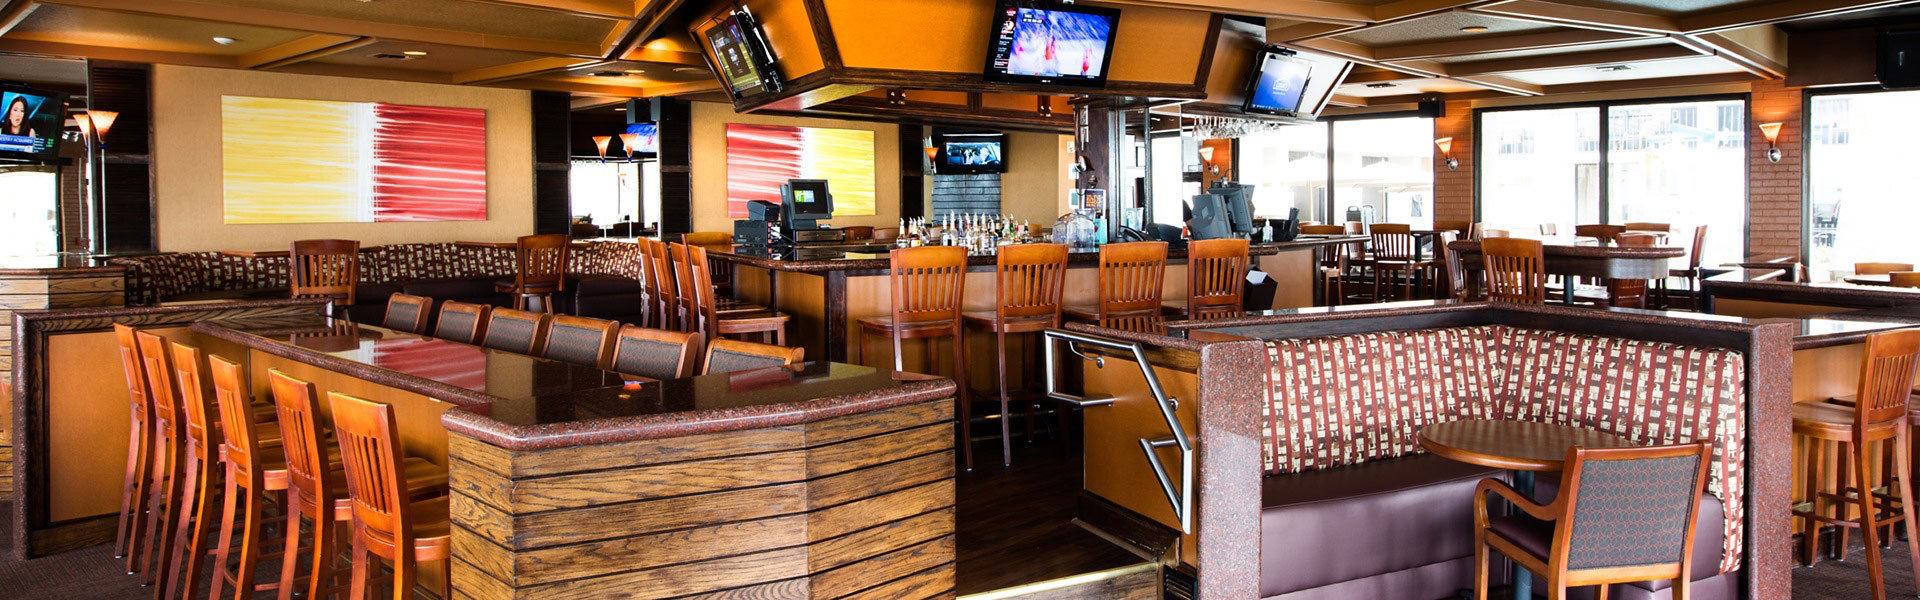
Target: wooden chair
[1622, 515]
[1460, 228]
[539, 270]
[928, 287]
[462, 322]
[1132, 275]
[1879, 268]
[326, 269]
[720, 272]
[1515, 270]
[706, 314]
[130, 535]
[1456, 275]
[317, 485]
[655, 353]
[1691, 274]
[407, 313]
[886, 235]
[1643, 226]
[1605, 233]
[1330, 263]
[1394, 251]
[580, 340]
[1216, 279]
[661, 289]
[516, 331]
[167, 463]
[858, 233]
[1029, 280]
[256, 473]
[387, 522]
[1630, 293]
[1880, 412]
[205, 432]
[727, 356]
[1906, 279]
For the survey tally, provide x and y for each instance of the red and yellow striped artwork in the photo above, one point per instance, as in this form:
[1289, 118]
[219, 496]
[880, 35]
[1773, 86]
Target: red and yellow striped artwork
[762, 157]
[322, 161]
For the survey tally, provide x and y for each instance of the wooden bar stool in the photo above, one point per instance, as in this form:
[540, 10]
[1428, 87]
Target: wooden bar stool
[706, 315]
[1515, 270]
[1029, 280]
[1456, 276]
[1132, 276]
[387, 523]
[719, 272]
[167, 464]
[1879, 414]
[1216, 279]
[206, 430]
[1331, 263]
[255, 473]
[661, 289]
[407, 313]
[1396, 251]
[1691, 274]
[539, 270]
[326, 269]
[462, 322]
[130, 536]
[929, 292]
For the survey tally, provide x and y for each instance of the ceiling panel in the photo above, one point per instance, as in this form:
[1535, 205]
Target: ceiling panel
[43, 70]
[1705, 65]
[1667, 8]
[1441, 27]
[53, 23]
[1549, 52]
[456, 15]
[652, 74]
[439, 59]
[1405, 87]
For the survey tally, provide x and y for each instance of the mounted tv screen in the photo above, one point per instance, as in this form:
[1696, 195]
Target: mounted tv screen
[649, 140]
[742, 56]
[1058, 44]
[970, 153]
[31, 126]
[1278, 82]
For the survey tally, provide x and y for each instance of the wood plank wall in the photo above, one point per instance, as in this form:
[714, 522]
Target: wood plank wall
[35, 292]
[860, 506]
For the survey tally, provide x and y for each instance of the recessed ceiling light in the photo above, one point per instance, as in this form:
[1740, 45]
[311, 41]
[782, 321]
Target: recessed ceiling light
[1473, 29]
[689, 70]
[392, 56]
[224, 40]
[1611, 68]
[415, 53]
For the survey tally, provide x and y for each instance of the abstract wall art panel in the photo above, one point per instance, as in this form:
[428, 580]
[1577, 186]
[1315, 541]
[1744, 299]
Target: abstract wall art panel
[762, 157]
[322, 161]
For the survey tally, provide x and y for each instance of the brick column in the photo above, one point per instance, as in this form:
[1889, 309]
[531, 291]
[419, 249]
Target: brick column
[1773, 189]
[1453, 190]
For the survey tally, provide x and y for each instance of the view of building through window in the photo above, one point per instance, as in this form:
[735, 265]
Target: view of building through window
[610, 192]
[1382, 171]
[1860, 180]
[31, 215]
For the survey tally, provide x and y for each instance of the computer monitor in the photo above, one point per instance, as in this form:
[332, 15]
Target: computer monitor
[1210, 218]
[804, 201]
[1239, 199]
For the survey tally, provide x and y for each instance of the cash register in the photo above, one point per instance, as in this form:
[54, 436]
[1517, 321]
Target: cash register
[796, 220]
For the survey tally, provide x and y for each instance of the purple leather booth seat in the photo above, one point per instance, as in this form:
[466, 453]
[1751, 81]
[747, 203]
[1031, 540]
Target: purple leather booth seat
[608, 297]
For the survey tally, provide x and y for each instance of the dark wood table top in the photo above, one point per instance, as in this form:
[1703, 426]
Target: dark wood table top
[1514, 445]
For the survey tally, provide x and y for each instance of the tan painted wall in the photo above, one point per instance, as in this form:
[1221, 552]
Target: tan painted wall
[187, 158]
[710, 165]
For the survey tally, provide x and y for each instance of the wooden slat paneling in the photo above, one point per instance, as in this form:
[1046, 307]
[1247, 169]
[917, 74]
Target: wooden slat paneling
[651, 452]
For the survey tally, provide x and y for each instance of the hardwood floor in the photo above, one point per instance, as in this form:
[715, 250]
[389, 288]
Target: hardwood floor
[1016, 523]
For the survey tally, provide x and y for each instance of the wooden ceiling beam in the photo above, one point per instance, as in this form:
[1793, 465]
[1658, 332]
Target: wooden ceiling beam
[14, 12]
[1544, 11]
[110, 53]
[1504, 43]
[299, 50]
[1305, 31]
[1299, 10]
[1572, 59]
[684, 88]
[527, 68]
[1647, 84]
[1373, 74]
[1758, 50]
[1775, 12]
[1347, 101]
[1504, 84]
[671, 57]
[598, 9]
[260, 17]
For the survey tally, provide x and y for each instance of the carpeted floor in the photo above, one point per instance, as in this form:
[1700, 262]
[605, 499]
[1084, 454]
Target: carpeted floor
[1848, 578]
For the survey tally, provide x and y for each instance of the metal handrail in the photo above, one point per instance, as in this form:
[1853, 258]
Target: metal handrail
[1182, 497]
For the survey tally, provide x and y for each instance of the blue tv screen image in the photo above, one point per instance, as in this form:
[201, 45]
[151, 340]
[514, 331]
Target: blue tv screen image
[1281, 82]
[1056, 45]
[973, 153]
[31, 123]
[649, 136]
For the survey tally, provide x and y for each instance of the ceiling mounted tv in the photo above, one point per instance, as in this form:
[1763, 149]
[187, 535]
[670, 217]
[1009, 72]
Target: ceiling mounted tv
[1051, 44]
[742, 56]
[31, 125]
[648, 141]
[1278, 82]
[969, 152]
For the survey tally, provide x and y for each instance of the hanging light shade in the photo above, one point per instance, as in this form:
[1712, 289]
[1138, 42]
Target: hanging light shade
[102, 121]
[601, 141]
[932, 153]
[86, 125]
[630, 141]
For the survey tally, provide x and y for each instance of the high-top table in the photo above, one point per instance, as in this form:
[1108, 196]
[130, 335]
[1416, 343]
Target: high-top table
[1568, 257]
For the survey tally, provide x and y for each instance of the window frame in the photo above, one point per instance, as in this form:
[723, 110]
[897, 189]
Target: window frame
[1328, 204]
[1806, 173]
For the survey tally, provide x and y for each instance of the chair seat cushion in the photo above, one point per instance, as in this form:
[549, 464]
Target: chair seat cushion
[989, 320]
[1328, 526]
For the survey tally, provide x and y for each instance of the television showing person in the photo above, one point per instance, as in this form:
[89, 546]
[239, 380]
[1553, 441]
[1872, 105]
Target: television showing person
[19, 118]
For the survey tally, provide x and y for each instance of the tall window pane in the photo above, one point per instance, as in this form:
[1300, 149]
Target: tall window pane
[1170, 194]
[608, 192]
[1384, 167]
[1860, 180]
[1683, 164]
[1540, 167]
[1288, 169]
[30, 219]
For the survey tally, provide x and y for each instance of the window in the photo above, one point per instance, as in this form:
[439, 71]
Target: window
[31, 215]
[1382, 171]
[1860, 180]
[608, 192]
[1680, 163]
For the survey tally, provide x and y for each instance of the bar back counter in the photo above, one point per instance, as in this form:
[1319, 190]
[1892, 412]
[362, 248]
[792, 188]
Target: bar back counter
[1305, 479]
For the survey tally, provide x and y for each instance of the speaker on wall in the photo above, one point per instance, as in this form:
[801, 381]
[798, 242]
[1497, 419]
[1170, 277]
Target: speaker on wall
[1899, 59]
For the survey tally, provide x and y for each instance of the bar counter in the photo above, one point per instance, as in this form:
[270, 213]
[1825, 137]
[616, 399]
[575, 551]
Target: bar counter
[38, 282]
[1763, 292]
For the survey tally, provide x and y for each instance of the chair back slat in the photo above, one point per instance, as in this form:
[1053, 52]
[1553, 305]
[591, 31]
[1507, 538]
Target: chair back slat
[666, 298]
[1515, 270]
[1132, 275]
[655, 353]
[727, 356]
[462, 322]
[1880, 268]
[541, 261]
[236, 414]
[516, 331]
[1393, 241]
[1645, 226]
[1631, 507]
[688, 315]
[1886, 376]
[161, 389]
[1605, 233]
[368, 446]
[1456, 271]
[297, 403]
[1030, 280]
[580, 340]
[928, 283]
[201, 419]
[407, 313]
[1330, 256]
[1216, 276]
[325, 268]
[707, 313]
[130, 362]
[1699, 245]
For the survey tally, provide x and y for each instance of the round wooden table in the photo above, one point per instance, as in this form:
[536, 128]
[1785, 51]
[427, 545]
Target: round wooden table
[1519, 446]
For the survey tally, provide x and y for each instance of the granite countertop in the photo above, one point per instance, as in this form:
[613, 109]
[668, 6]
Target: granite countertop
[521, 402]
[875, 258]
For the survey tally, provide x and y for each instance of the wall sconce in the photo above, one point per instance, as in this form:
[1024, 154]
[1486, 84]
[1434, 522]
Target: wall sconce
[1446, 149]
[1206, 160]
[629, 140]
[1772, 133]
[933, 155]
[601, 141]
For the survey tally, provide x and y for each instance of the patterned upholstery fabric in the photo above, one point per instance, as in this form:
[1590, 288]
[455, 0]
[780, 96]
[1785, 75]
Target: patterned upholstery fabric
[1343, 400]
[722, 361]
[401, 316]
[1632, 512]
[619, 259]
[512, 335]
[157, 277]
[574, 344]
[647, 358]
[456, 326]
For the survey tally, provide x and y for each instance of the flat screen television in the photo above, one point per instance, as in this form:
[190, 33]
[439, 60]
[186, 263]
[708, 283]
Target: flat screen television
[1051, 44]
[649, 140]
[1278, 82]
[970, 152]
[742, 56]
[31, 125]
